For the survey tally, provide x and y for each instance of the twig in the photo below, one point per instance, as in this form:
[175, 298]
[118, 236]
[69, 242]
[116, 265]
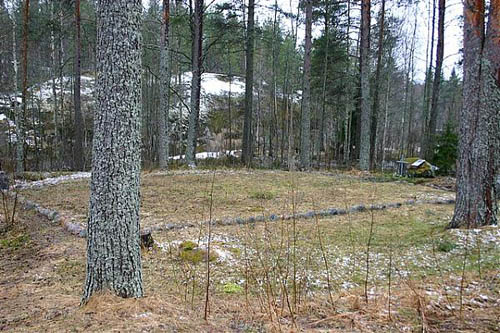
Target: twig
[368, 244]
[207, 292]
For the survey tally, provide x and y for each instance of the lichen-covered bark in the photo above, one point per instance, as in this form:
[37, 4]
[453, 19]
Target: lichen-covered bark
[113, 251]
[192, 135]
[474, 199]
[247, 150]
[165, 87]
[366, 117]
[305, 136]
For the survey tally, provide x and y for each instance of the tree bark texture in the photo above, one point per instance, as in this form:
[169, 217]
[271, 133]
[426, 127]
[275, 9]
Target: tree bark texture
[247, 150]
[113, 248]
[163, 128]
[436, 85]
[474, 195]
[78, 151]
[21, 117]
[491, 99]
[18, 114]
[305, 137]
[192, 135]
[364, 64]
[376, 94]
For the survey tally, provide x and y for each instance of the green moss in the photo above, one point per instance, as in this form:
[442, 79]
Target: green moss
[187, 245]
[446, 246]
[15, 242]
[262, 195]
[189, 252]
[232, 288]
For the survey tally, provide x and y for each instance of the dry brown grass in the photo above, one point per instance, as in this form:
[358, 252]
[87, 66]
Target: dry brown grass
[179, 197]
[41, 280]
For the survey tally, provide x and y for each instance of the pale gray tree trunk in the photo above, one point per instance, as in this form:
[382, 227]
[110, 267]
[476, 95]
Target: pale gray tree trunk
[364, 64]
[78, 124]
[163, 126]
[305, 137]
[18, 113]
[55, 144]
[22, 117]
[247, 149]
[474, 191]
[194, 114]
[113, 249]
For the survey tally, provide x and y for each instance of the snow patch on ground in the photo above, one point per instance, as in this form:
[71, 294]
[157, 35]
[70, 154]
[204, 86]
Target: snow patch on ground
[209, 154]
[21, 185]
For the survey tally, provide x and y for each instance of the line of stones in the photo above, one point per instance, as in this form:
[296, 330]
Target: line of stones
[305, 215]
[78, 229]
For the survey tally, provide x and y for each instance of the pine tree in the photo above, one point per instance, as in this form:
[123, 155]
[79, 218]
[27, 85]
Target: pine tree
[113, 250]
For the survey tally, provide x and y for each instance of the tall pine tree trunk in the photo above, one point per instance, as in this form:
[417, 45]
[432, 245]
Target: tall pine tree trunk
[366, 112]
[376, 93]
[247, 150]
[305, 137]
[20, 121]
[78, 124]
[475, 194]
[113, 248]
[196, 62]
[436, 85]
[163, 129]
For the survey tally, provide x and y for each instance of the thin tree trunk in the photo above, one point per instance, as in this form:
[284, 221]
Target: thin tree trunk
[376, 94]
[305, 137]
[386, 119]
[321, 125]
[247, 151]
[113, 248]
[431, 132]
[194, 114]
[55, 144]
[163, 130]
[366, 112]
[21, 119]
[428, 79]
[18, 113]
[78, 127]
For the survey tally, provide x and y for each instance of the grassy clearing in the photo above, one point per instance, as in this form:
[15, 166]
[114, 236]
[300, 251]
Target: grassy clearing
[304, 275]
[178, 197]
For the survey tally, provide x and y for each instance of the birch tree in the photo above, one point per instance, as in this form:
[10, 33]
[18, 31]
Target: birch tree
[305, 137]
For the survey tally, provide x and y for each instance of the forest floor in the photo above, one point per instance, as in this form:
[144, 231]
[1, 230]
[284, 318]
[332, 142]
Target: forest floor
[395, 270]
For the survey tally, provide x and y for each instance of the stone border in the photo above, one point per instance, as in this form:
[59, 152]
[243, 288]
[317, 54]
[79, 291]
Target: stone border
[76, 229]
[80, 230]
[304, 215]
